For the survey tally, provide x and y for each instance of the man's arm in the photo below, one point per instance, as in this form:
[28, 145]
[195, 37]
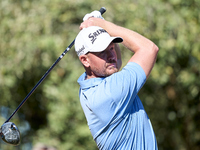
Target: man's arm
[144, 49]
[119, 60]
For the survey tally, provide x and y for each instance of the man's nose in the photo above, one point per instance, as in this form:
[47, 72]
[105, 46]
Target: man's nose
[111, 55]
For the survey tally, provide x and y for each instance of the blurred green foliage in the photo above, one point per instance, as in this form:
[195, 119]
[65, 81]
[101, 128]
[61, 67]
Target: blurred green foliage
[35, 33]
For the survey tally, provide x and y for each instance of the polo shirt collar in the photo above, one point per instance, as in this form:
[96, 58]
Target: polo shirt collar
[85, 84]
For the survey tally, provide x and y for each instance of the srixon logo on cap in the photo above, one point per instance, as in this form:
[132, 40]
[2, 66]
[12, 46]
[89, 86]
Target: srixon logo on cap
[81, 50]
[93, 36]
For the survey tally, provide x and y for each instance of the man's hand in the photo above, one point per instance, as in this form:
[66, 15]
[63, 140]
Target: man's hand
[92, 22]
[95, 14]
[92, 19]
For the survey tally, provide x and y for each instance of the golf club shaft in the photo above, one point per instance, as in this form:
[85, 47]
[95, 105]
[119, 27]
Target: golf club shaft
[40, 81]
[102, 10]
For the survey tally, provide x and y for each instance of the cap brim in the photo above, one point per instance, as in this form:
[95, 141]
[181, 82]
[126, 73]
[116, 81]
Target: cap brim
[102, 46]
[117, 40]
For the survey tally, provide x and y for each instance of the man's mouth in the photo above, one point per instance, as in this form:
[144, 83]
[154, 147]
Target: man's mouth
[112, 65]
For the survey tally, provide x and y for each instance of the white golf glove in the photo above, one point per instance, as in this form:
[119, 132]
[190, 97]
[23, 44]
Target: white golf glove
[95, 14]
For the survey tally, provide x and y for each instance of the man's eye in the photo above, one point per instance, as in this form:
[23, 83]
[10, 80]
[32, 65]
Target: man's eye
[101, 53]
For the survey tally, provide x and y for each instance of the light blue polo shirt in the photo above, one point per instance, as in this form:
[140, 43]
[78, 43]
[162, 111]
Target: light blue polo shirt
[114, 112]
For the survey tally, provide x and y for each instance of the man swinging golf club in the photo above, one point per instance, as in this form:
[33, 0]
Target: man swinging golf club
[114, 112]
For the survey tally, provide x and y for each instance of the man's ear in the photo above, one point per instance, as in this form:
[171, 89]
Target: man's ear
[84, 60]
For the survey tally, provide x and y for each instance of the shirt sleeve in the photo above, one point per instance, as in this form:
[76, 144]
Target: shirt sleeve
[108, 101]
[125, 85]
[116, 93]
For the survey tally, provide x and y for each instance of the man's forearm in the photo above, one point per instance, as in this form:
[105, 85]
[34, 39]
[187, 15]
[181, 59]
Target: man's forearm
[119, 60]
[132, 40]
[145, 51]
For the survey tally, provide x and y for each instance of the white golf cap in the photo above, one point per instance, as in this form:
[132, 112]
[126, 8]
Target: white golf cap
[93, 39]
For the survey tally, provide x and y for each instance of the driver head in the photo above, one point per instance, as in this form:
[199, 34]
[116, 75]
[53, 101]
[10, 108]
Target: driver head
[10, 133]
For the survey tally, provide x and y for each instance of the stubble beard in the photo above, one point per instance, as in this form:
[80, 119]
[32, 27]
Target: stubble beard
[106, 72]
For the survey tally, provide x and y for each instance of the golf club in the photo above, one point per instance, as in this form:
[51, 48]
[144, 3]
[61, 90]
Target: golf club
[9, 131]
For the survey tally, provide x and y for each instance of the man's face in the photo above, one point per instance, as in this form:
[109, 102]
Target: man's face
[103, 64]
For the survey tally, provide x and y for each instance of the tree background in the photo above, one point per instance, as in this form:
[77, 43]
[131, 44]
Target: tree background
[35, 33]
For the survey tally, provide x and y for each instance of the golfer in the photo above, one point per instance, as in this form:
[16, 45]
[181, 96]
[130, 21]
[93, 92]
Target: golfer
[114, 112]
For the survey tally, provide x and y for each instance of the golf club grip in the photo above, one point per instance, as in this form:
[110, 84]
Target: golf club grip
[102, 10]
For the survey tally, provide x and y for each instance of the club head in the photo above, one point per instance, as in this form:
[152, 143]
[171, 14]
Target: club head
[10, 133]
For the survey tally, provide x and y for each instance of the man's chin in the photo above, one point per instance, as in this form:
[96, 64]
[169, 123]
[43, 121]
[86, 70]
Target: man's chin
[111, 71]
